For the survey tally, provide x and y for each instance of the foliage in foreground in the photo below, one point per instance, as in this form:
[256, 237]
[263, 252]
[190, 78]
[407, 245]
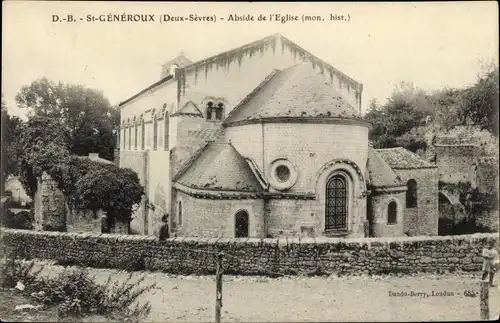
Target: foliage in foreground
[75, 293]
[86, 184]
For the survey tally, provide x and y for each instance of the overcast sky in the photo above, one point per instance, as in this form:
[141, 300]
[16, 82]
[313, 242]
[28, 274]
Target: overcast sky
[431, 44]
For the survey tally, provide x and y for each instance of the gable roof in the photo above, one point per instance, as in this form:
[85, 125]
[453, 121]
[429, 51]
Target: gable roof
[297, 91]
[220, 167]
[401, 158]
[379, 172]
[332, 70]
[189, 109]
[180, 61]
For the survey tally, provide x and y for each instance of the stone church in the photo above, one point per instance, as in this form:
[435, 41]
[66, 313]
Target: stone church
[267, 140]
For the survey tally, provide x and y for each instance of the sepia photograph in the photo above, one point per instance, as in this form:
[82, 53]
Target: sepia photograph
[249, 161]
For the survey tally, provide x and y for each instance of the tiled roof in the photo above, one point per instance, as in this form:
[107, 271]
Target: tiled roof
[380, 173]
[220, 167]
[298, 91]
[401, 158]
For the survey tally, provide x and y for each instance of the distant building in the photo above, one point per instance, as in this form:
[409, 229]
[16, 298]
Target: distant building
[268, 140]
[15, 190]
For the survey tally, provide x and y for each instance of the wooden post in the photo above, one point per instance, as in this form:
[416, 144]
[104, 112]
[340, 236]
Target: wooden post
[218, 287]
[485, 300]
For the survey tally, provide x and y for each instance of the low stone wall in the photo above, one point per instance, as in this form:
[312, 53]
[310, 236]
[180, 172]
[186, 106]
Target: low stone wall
[253, 256]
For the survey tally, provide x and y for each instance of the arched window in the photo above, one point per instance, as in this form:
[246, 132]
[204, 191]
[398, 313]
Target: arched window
[411, 194]
[179, 213]
[155, 133]
[337, 201]
[219, 111]
[392, 213]
[210, 111]
[166, 130]
[241, 224]
[135, 135]
[143, 134]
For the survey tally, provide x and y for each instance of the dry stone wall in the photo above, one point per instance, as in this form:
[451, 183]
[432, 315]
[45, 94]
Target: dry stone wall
[252, 256]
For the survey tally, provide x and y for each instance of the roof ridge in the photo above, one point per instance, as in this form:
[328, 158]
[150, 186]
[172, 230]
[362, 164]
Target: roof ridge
[277, 36]
[238, 107]
[190, 162]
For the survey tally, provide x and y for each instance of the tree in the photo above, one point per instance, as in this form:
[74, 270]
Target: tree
[85, 113]
[11, 127]
[114, 190]
[403, 111]
[86, 184]
[480, 102]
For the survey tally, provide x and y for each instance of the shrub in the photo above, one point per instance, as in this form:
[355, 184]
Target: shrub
[75, 293]
[21, 220]
[14, 270]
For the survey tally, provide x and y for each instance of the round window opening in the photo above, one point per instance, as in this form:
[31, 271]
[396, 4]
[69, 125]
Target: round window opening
[282, 173]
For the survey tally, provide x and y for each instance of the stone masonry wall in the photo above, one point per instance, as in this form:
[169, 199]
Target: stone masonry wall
[50, 206]
[216, 218]
[253, 256]
[422, 220]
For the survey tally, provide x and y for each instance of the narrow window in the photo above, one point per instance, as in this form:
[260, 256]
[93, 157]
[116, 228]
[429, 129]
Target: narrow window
[392, 213]
[143, 134]
[155, 133]
[124, 135]
[241, 224]
[210, 111]
[411, 194]
[337, 200]
[219, 112]
[129, 137]
[167, 119]
[135, 136]
[179, 213]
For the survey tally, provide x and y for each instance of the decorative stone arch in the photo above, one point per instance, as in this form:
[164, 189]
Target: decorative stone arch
[355, 190]
[351, 166]
[163, 109]
[214, 109]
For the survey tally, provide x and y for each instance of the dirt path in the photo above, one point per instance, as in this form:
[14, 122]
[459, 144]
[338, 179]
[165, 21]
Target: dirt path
[255, 299]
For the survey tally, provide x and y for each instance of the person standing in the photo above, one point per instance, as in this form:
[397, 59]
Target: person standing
[490, 262]
[164, 229]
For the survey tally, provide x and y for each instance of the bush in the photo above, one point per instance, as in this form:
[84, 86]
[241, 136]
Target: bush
[75, 293]
[21, 220]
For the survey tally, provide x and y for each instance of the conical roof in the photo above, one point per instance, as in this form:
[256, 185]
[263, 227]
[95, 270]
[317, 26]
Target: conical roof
[298, 91]
[380, 173]
[220, 167]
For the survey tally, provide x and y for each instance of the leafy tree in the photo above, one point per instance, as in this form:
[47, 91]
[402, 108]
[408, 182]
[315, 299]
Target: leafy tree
[85, 113]
[11, 126]
[86, 184]
[403, 111]
[111, 189]
[480, 102]
[45, 145]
